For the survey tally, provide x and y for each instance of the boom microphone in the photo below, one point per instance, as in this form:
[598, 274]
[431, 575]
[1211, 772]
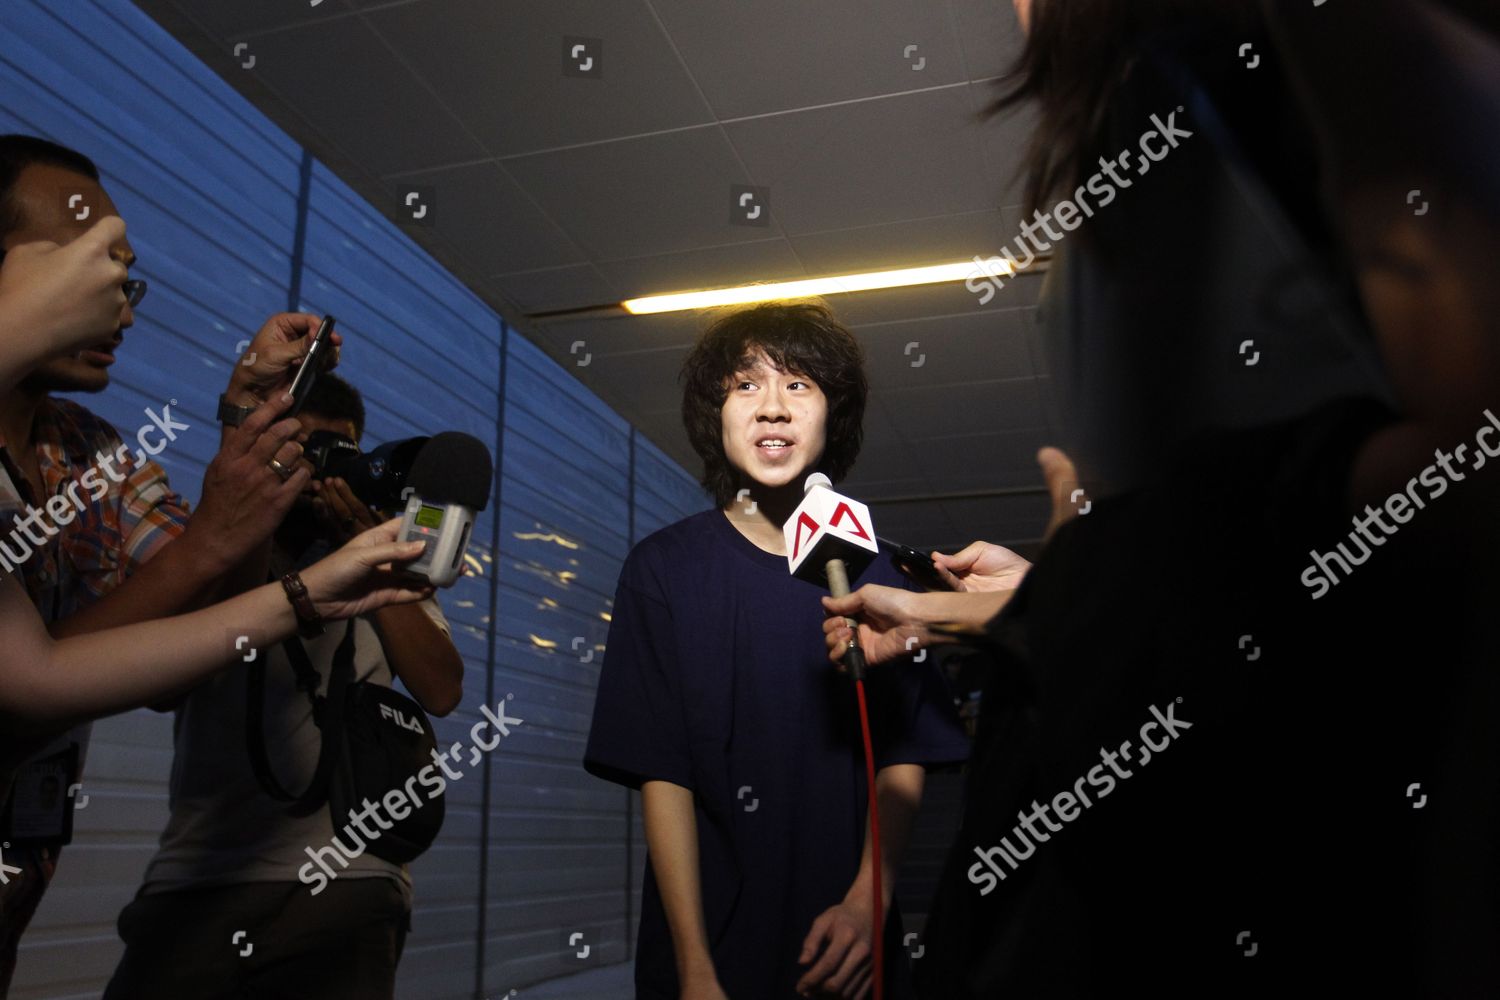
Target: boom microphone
[449, 481]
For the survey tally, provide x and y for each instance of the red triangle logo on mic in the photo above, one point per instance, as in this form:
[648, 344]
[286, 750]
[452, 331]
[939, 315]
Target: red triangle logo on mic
[843, 508]
[804, 520]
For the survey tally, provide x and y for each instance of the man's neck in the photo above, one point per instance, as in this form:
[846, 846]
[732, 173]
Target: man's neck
[761, 514]
[18, 417]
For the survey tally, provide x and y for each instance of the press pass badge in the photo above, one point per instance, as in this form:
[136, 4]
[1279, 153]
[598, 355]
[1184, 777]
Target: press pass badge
[40, 810]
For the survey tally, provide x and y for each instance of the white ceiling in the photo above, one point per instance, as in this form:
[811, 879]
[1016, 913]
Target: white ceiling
[551, 191]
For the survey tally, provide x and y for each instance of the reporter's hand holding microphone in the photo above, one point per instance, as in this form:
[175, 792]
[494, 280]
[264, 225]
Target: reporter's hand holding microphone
[983, 575]
[365, 574]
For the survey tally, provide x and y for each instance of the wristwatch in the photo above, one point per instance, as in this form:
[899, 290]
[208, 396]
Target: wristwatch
[309, 622]
[231, 415]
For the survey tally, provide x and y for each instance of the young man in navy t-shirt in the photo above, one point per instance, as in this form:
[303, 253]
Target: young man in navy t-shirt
[717, 699]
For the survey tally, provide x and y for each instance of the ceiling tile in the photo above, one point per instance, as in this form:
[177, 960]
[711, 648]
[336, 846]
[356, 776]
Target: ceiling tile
[1000, 519]
[1003, 142]
[999, 460]
[500, 66]
[488, 217]
[902, 244]
[990, 35]
[886, 462]
[620, 333]
[711, 267]
[907, 157]
[371, 107]
[235, 20]
[950, 298]
[945, 349]
[849, 49]
[972, 407]
[653, 195]
[572, 287]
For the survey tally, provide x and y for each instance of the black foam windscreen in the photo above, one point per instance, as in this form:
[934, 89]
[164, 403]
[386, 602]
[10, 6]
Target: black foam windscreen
[453, 467]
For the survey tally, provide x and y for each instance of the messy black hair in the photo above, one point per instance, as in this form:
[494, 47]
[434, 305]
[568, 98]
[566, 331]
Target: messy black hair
[336, 399]
[801, 337]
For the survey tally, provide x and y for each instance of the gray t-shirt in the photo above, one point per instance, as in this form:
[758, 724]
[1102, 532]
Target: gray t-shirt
[224, 828]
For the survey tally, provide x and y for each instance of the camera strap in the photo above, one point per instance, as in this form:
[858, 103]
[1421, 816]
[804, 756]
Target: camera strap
[328, 715]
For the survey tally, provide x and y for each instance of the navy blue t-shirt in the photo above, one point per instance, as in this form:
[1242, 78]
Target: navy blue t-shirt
[716, 678]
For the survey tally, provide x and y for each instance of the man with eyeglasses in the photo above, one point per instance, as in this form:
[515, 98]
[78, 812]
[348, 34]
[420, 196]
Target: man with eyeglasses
[131, 551]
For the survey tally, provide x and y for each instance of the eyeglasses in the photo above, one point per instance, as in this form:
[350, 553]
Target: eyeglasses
[134, 289]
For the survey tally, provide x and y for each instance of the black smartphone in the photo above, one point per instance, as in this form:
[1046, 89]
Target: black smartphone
[917, 567]
[312, 365]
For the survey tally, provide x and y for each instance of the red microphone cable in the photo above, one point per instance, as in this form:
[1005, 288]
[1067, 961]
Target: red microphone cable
[854, 662]
[878, 863]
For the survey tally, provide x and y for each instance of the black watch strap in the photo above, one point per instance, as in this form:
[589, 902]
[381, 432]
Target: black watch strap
[231, 415]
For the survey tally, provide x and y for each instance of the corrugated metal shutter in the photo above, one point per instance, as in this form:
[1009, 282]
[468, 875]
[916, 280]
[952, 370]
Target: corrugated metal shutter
[561, 894]
[211, 191]
[426, 355]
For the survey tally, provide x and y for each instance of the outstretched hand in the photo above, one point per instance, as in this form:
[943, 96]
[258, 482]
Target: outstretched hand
[364, 574]
[981, 566]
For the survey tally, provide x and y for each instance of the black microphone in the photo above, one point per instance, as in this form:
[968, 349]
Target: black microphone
[449, 481]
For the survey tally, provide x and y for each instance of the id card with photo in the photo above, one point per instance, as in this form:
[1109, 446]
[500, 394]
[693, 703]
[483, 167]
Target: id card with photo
[39, 810]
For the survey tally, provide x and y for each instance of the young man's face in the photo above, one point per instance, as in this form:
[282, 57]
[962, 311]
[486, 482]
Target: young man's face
[774, 423]
[41, 193]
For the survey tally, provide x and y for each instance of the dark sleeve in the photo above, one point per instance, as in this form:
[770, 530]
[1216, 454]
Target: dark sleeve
[917, 721]
[638, 733]
[912, 716]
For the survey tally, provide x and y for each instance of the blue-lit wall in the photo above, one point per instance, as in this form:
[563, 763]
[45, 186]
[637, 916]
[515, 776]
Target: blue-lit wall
[215, 197]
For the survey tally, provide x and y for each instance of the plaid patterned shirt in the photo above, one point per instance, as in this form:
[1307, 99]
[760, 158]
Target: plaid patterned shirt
[106, 539]
[109, 538]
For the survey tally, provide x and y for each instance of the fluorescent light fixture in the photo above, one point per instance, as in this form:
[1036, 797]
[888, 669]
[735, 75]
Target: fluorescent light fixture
[986, 269]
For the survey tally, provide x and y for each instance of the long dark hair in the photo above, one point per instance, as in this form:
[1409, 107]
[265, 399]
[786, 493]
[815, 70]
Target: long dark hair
[1077, 54]
[801, 337]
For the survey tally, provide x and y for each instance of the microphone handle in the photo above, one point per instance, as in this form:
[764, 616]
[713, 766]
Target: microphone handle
[838, 583]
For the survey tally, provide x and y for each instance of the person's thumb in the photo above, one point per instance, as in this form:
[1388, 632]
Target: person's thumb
[386, 552]
[843, 605]
[1062, 484]
[961, 560]
[1058, 471]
